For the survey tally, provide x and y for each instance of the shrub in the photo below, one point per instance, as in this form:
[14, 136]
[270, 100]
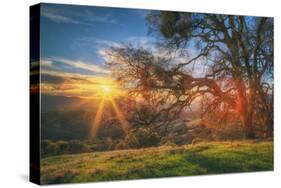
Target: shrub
[167, 143]
[77, 146]
[121, 145]
[147, 138]
[50, 148]
[197, 140]
[139, 138]
[63, 147]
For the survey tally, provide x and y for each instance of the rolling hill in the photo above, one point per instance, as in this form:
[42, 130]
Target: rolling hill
[164, 161]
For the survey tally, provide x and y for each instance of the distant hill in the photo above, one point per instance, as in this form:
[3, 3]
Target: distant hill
[72, 125]
[70, 118]
[63, 103]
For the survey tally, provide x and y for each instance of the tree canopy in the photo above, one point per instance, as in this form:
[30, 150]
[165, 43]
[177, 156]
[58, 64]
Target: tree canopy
[234, 55]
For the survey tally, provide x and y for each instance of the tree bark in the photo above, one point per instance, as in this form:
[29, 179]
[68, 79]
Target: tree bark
[269, 127]
[244, 107]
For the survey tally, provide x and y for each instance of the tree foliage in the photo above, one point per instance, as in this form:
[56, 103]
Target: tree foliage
[235, 51]
[239, 52]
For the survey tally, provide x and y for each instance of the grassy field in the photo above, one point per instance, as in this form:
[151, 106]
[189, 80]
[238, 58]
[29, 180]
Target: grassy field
[164, 161]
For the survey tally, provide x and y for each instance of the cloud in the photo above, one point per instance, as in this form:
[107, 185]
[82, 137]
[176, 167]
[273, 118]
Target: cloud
[102, 18]
[142, 42]
[135, 41]
[46, 63]
[107, 43]
[52, 79]
[61, 19]
[63, 74]
[174, 57]
[76, 15]
[71, 84]
[66, 77]
[86, 66]
[54, 64]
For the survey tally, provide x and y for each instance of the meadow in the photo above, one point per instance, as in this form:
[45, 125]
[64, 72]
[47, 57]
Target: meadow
[164, 161]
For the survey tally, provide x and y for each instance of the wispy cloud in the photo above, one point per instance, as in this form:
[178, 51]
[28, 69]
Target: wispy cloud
[71, 84]
[175, 57]
[53, 64]
[85, 17]
[136, 41]
[46, 63]
[142, 42]
[102, 18]
[62, 19]
[82, 65]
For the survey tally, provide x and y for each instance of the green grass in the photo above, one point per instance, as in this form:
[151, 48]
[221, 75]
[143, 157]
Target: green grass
[164, 161]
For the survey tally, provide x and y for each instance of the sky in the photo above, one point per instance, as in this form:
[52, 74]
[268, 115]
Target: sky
[73, 39]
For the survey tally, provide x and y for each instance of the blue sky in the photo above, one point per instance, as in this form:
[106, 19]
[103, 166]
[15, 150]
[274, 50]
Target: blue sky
[79, 32]
[73, 39]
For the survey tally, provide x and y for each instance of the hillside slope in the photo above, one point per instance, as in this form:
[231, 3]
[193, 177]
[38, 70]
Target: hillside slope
[164, 161]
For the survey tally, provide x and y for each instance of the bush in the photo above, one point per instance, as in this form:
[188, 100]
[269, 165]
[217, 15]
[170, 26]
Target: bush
[197, 140]
[77, 146]
[168, 143]
[121, 145]
[147, 138]
[63, 146]
[50, 148]
[103, 144]
[139, 138]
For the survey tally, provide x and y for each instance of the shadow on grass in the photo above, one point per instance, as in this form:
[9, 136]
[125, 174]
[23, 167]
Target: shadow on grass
[230, 161]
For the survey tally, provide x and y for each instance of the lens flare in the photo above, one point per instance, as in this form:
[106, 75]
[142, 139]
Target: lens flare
[124, 123]
[97, 120]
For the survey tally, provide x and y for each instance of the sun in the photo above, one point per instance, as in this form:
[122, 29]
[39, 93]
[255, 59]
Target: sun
[106, 90]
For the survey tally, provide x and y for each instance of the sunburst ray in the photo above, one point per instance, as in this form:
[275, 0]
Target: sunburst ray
[124, 123]
[97, 120]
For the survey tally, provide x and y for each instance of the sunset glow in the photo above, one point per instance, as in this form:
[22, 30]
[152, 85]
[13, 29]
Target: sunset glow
[98, 117]
[107, 90]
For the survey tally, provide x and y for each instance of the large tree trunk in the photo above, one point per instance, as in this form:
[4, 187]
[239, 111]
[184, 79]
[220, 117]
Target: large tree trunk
[269, 122]
[244, 108]
[267, 112]
[248, 126]
[269, 128]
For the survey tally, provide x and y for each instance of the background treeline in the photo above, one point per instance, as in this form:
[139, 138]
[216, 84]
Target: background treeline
[142, 138]
[178, 133]
[50, 148]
